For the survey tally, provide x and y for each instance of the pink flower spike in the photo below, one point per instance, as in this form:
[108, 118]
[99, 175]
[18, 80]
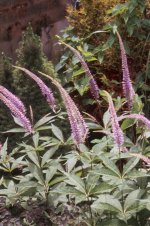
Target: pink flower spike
[117, 132]
[17, 113]
[127, 85]
[92, 83]
[46, 91]
[14, 99]
[77, 123]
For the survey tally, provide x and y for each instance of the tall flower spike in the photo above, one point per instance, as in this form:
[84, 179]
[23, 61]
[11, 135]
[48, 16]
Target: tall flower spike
[17, 113]
[139, 117]
[46, 91]
[92, 83]
[127, 85]
[117, 132]
[15, 100]
[78, 125]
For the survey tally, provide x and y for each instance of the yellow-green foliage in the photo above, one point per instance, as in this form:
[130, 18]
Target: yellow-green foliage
[91, 16]
[133, 24]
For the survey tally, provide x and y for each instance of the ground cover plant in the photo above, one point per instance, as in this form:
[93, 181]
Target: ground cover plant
[70, 167]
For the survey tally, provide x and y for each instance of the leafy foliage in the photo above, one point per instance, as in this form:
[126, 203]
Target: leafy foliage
[48, 179]
[91, 32]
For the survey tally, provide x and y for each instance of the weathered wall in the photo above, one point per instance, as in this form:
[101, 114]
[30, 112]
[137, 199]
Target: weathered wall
[46, 16]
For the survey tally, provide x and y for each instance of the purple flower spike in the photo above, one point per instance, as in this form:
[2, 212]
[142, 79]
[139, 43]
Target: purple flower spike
[117, 132]
[15, 100]
[94, 88]
[127, 85]
[139, 117]
[92, 83]
[46, 91]
[17, 113]
[78, 125]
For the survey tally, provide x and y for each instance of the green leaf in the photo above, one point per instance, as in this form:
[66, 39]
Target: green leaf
[100, 57]
[108, 203]
[36, 172]
[50, 172]
[132, 199]
[34, 157]
[48, 154]
[118, 9]
[11, 187]
[15, 130]
[100, 147]
[75, 181]
[58, 133]
[105, 172]
[101, 188]
[66, 190]
[83, 148]
[91, 182]
[3, 152]
[137, 104]
[43, 128]
[78, 72]
[110, 41]
[44, 120]
[57, 180]
[136, 174]
[26, 188]
[130, 165]
[130, 29]
[82, 84]
[71, 162]
[36, 139]
[110, 165]
[106, 118]
[75, 60]
[17, 162]
[127, 123]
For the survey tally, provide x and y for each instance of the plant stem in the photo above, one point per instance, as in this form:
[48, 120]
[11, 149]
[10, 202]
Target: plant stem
[90, 211]
[88, 200]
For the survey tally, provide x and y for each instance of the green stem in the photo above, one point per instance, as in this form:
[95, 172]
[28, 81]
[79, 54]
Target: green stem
[88, 200]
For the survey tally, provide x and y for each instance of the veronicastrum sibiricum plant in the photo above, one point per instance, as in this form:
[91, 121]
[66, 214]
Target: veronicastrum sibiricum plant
[92, 83]
[117, 132]
[46, 91]
[104, 186]
[127, 85]
[78, 125]
[17, 113]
